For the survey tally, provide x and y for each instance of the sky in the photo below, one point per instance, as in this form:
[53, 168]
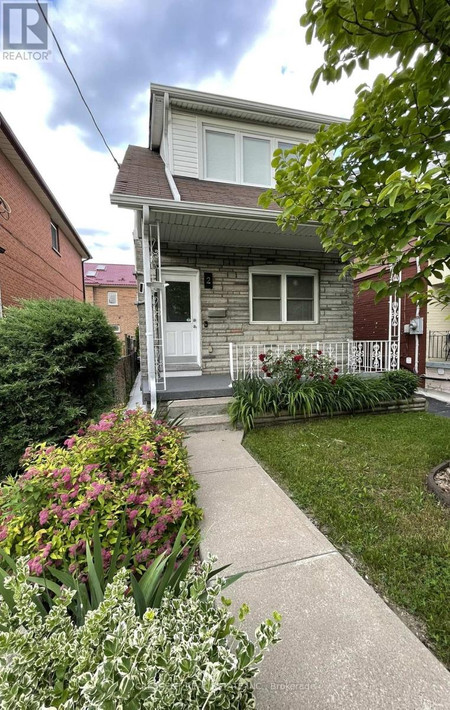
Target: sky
[252, 49]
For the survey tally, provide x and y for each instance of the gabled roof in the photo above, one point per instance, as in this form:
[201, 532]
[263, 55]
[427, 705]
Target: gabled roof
[19, 158]
[142, 174]
[101, 274]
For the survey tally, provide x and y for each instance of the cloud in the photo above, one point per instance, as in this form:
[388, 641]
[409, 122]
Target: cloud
[116, 49]
[124, 246]
[8, 80]
[86, 232]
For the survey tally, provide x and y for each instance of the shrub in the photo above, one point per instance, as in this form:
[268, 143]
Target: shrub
[167, 571]
[293, 365]
[178, 656]
[127, 465]
[347, 393]
[55, 363]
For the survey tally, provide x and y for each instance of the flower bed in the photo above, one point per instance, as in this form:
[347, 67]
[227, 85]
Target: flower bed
[126, 467]
[313, 391]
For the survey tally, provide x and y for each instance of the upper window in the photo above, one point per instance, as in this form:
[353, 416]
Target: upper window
[55, 236]
[220, 156]
[235, 156]
[283, 295]
[112, 298]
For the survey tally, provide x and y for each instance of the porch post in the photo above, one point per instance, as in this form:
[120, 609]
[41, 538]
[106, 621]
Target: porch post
[393, 360]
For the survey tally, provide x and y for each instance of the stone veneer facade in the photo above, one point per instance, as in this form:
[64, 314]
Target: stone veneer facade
[229, 266]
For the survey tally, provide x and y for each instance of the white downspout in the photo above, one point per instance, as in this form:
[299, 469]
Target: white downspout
[149, 333]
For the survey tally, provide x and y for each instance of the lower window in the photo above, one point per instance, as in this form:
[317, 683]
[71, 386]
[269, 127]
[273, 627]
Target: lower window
[283, 295]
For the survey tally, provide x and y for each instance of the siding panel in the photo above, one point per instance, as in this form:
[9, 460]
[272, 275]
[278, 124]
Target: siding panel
[184, 145]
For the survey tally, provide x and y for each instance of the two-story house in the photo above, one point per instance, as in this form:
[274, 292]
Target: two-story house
[113, 288]
[41, 253]
[217, 278]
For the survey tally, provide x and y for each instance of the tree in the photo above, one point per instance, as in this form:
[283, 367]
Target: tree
[378, 185]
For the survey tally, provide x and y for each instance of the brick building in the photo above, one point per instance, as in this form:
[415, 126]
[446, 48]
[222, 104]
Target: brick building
[42, 253]
[112, 287]
[371, 321]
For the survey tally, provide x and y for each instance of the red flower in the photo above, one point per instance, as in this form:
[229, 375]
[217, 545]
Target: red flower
[322, 377]
[297, 370]
[298, 358]
[268, 374]
[336, 369]
[298, 377]
[311, 374]
[319, 352]
[262, 357]
[264, 368]
[315, 357]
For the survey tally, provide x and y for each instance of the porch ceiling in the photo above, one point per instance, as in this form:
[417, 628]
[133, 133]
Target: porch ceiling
[203, 229]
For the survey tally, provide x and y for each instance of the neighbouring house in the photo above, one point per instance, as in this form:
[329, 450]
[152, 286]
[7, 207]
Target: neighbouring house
[41, 253]
[113, 288]
[423, 331]
[437, 370]
[217, 278]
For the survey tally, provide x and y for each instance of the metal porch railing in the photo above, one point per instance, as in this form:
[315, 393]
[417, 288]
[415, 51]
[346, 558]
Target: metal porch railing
[350, 356]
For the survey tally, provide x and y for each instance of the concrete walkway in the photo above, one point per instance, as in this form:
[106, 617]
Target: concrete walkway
[342, 647]
[136, 394]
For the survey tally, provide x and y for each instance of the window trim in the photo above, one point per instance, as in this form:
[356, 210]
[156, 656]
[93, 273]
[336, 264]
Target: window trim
[116, 328]
[56, 249]
[284, 271]
[117, 298]
[239, 135]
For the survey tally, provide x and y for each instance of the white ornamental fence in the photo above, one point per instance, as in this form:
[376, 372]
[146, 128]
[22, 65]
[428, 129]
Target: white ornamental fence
[350, 356]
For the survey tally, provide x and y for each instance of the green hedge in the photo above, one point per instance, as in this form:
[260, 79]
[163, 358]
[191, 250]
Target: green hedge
[56, 360]
[254, 396]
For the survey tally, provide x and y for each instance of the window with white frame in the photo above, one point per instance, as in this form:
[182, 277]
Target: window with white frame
[112, 298]
[239, 157]
[55, 237]
[116, 328]
[282, 294]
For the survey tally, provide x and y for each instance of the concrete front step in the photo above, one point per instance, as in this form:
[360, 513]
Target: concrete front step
[204, 406]
[212, 422]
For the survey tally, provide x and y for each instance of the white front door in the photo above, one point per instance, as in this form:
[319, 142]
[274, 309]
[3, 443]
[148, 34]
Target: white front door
[181, 316]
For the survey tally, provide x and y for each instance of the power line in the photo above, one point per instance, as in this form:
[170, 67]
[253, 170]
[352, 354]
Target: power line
[76, 84]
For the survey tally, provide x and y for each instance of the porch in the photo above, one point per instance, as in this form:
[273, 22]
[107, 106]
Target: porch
[205, 317]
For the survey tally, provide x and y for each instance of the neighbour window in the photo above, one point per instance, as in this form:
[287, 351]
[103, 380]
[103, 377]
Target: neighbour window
[112, 298]
[283, 295]
[55, 237]
[116, 328]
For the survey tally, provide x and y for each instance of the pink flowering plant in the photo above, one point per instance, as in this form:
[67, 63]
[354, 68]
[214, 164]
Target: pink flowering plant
[126, 470]
[294, 365]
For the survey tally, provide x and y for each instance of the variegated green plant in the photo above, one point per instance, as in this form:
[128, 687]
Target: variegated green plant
[176, 657]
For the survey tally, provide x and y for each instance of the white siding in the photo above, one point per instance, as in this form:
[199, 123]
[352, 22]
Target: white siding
[184, 140]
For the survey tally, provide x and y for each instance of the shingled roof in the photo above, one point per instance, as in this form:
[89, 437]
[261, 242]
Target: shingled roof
[142, 174]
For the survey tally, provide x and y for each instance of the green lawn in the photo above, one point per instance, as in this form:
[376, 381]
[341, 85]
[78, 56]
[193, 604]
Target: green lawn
[362, 478]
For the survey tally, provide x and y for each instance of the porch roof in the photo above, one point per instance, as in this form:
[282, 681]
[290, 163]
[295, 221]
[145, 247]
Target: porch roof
[207, 212]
